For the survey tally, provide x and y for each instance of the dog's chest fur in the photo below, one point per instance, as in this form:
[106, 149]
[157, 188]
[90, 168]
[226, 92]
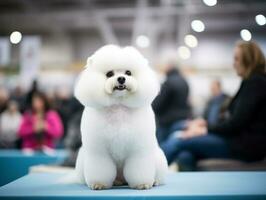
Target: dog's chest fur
[119, 136]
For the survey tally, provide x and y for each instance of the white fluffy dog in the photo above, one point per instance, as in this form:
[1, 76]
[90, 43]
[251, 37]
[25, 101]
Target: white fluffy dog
[118, 127]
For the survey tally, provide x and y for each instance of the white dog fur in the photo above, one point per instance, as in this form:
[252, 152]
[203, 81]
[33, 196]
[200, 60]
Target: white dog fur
[118, 127]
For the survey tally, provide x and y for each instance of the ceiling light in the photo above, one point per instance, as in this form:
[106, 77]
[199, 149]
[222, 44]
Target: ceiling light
[15, 37]
[210, 2]
[260, 19]
[245, 34]
[143, 41]
[191, 41]
[197, 25]
[184, 52]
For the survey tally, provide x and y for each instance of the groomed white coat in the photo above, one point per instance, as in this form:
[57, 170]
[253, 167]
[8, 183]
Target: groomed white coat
[119, 145]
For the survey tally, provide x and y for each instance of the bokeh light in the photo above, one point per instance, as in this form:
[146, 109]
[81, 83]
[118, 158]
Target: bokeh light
[260, 19]
[245, 34]
[197, 25]
[191, 41]
[210, 2]
[15, 37]
[184, 52]
[143, 41]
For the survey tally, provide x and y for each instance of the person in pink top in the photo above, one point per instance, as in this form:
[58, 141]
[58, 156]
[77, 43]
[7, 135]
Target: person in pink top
[40, 126]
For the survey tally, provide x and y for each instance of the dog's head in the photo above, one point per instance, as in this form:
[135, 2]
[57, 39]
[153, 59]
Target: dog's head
[116, 76]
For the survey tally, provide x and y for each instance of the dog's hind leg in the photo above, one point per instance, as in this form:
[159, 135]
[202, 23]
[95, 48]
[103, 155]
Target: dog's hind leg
[161, 167]
[80, 166]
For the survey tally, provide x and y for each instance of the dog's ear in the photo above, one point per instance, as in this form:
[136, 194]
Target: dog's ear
[89, 61]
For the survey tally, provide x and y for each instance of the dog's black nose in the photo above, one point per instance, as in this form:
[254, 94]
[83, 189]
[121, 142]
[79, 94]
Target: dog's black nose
[121, 79]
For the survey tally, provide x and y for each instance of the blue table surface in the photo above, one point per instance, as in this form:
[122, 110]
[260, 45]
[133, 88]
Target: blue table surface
[194, 185]
[17, 153]
[15, 164]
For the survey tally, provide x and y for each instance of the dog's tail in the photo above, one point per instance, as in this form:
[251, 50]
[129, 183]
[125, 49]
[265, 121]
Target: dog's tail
[70, 178]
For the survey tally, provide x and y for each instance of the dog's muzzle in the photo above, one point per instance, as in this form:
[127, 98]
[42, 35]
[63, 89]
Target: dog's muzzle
[120, 87]
[121, 80]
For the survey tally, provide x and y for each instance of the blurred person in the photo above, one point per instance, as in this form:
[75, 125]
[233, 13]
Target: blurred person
[213, 113]
[243, 134]
[34, 89]
[67, 106]
[4, 97]
[51, 99]
[62, 105]
[171, 105]
[9, 123]
[73, 139]
[40, 126]
[18, 95]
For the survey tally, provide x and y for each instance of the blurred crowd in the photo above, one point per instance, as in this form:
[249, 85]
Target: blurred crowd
[230, 127]
[38, 121]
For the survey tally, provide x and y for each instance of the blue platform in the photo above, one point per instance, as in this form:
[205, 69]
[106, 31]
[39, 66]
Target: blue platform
[15, 164]
[197, 185]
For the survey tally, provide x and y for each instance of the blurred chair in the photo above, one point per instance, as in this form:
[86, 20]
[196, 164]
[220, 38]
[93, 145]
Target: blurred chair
[230, 165]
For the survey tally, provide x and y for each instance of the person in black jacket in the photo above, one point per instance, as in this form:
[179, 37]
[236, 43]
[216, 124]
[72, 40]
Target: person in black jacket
[73, 140]
[243, 134]
[171, 106]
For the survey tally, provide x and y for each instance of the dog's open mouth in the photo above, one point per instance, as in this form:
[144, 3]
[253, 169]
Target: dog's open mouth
[120, 87]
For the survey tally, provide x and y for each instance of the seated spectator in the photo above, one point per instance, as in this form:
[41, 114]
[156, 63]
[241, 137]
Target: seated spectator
[171, 105]
[9, 124]
[40, 126]
[28, 96]
[18, 95]
[63, 106]
[243, 134]
[73, 139]
[4, 97]
[213, 113]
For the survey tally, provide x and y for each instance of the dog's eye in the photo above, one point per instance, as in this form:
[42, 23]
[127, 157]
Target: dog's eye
[128, 73]
[109, 74]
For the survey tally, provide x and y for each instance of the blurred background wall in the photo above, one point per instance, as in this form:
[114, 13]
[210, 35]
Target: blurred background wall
[71, 30]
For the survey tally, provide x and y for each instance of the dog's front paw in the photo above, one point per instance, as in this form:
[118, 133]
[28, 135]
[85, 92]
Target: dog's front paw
[143, 186]
[98, 186]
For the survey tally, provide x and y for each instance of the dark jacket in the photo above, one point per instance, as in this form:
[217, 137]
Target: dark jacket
[171, 104]
[73, 140]
[246, 126]
[213, 112]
